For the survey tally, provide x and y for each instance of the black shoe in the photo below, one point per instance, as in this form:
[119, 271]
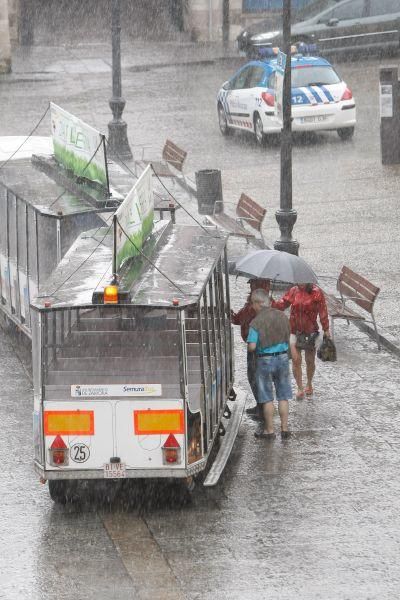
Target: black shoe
[285, 435]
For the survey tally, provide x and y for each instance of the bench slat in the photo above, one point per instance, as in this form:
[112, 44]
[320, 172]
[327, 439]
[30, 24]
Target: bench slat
[359, 279]
[338, 311]
[174, 155]
[228, 224]
[361, 290]
[251, 211]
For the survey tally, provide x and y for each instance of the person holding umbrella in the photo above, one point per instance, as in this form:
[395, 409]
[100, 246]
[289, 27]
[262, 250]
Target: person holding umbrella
[243, 317]
[307, 302]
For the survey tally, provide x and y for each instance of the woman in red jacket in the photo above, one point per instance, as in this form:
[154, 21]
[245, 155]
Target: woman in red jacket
[306, 302]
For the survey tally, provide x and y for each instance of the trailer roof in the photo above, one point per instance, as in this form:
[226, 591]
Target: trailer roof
[24, 176]
[183, 257]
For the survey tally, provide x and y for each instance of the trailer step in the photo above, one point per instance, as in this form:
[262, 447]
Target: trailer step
[231, 428]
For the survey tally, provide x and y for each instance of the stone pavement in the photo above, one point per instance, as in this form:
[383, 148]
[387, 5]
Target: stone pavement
[313, 518]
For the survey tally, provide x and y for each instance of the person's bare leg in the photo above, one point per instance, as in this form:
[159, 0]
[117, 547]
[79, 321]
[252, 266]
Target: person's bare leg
[268, 410]
[283, 408]
[310, 369]
[296, 367]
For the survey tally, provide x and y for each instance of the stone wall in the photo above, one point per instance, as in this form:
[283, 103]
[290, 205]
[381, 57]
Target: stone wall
[5, 46]
[204, 19]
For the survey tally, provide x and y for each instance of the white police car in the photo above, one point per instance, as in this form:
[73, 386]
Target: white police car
[320, 99]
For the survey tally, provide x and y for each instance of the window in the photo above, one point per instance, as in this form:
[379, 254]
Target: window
[256, 77]
[384, 7]
[351, 10]
[313, 76]
[239, 82]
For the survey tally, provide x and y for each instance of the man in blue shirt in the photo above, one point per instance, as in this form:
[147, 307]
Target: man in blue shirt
[269, 337]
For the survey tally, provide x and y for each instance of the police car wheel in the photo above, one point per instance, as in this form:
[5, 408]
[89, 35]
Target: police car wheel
[223, 122]
[259, 130]
[346, 133]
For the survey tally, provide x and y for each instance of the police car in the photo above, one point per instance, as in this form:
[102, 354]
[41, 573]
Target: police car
[320, 99]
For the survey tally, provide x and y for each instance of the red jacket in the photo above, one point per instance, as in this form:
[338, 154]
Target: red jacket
[243, 317]
[304, 309]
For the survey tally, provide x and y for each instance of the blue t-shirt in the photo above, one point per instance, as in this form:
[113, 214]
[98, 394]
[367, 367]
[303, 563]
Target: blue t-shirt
[253, 338]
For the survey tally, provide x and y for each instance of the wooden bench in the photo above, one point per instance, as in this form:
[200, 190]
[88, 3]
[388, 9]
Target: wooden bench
[248, 213]
[359, 290]
[173, 156]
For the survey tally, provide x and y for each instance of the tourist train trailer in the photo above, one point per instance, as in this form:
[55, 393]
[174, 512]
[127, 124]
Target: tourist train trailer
[132, 370]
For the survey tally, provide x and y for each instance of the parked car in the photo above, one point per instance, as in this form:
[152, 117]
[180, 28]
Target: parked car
[347, 26]
[321, 100]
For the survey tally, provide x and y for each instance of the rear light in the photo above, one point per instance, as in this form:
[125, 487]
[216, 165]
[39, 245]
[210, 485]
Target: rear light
[268, 98]
[171, 451]
[58, 452]
[111, 294]
[347, 95]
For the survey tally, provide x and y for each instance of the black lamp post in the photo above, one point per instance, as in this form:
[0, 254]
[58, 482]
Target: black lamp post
[118, 145]
[286, 216]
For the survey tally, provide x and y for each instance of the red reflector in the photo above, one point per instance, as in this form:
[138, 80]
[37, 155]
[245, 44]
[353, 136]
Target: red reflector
[171, 442]
[171, 450]
[58, 452]
[58, 444]
[347, 95]
[268, 98]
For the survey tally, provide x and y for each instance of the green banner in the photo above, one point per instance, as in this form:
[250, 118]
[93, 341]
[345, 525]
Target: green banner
[75, 144]
[134, 219]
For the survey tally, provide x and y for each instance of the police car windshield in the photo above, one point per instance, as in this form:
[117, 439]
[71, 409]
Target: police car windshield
[309, 75]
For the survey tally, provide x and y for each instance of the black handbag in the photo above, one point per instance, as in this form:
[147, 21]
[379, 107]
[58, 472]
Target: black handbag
[306, 341]
[327, 350]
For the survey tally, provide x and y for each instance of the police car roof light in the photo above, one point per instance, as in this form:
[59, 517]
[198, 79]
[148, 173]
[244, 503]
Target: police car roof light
[268, 52]
[307, 49]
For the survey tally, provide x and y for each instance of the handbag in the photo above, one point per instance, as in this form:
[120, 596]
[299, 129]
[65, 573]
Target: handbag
[327, 350]
[306, 341]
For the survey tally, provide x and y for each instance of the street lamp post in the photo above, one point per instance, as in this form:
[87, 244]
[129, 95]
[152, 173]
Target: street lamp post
[286, 216]
[118, 145]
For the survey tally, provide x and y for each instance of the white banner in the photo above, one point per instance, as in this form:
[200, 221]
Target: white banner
[279, 77]
[75, 143]
[119, 390]
[134, 218]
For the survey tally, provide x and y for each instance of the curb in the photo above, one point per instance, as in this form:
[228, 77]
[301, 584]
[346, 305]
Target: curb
[388, 342]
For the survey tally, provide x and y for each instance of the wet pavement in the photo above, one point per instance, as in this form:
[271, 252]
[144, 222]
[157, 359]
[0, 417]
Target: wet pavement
[314, 517]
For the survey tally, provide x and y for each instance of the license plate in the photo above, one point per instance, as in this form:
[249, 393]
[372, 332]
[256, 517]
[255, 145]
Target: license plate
[114, 471]
[317, 119]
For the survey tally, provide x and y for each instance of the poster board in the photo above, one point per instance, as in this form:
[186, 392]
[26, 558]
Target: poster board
[75, 143]
[279, 78]
[134, 217]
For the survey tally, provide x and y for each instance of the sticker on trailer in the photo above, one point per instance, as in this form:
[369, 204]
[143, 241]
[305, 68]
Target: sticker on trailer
[79, 453]
[125, 390]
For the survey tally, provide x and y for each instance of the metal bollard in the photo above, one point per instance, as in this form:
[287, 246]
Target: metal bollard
[389, 102]
[209, 191]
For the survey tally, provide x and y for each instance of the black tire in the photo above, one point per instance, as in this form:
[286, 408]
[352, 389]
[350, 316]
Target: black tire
[223, 121]
[58, 491]
[346, 133]
[259, 130]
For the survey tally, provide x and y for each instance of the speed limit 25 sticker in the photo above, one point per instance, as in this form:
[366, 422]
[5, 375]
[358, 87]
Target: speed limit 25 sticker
[79, 453]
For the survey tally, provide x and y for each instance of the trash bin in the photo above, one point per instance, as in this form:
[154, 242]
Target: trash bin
[209, 191]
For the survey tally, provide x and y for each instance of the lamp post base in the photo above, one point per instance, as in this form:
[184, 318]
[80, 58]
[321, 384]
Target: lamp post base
[286, 220]
[118, 145]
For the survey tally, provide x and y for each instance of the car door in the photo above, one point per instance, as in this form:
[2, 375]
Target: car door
[382, 24]
[342, 27]
[238, 97]
[252, 97]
